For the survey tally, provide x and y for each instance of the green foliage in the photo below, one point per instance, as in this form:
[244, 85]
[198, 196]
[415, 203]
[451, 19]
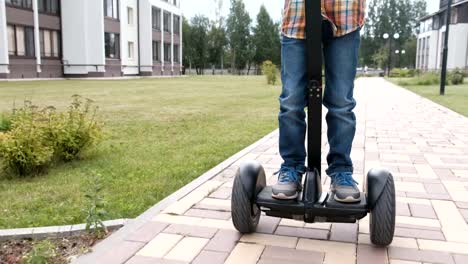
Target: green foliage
[74, 131]
[266, 39]
[95, 206]
[238, 32]
[199, 41]
[401, 73]
[428, 78]
[5, 122]
[41, 253]
[37, 137]
[270, 71]
[391, 16]
[456, 77]
[216, 43]
[380, 58]
[25, 148]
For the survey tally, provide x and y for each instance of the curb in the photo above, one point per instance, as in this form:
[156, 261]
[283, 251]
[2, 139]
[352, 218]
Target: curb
[54, 231]
[112, 243]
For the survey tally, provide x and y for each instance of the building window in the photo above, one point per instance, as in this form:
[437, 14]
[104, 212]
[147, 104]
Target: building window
[21, 41]
[131, 48]
[111, 9]
[20, 3]
[167, 21]
[423, 60]
[48, 6]
[130, 16]
[156, 51]
[156, 18]
[176, 53]
[442, 44]
[427, 52]
[177, 25]
[112, 45]
[435, 25]
[167, 52]
[454, 16]
[50, 43]
[175, 2]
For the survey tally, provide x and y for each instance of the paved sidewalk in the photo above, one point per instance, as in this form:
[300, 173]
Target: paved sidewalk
[425, 146]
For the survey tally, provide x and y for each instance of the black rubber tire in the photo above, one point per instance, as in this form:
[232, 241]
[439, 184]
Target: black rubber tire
[382, 217]
[245, 214]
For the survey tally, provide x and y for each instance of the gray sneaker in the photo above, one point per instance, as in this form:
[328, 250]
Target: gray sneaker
[288, 185]
[345, 188]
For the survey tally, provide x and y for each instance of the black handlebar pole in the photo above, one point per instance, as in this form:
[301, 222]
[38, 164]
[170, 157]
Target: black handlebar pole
[314, 88]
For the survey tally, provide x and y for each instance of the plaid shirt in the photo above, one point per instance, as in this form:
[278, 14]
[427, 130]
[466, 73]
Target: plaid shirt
[346, 16]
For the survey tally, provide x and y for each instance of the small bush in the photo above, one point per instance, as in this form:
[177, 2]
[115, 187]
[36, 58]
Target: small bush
[25, 148]
[5, 122]
[74, 131]
[429, 78]
[34, 138]
[41, 253]
[270, 71]
[95, 206]
[401, 73]
[456, 77]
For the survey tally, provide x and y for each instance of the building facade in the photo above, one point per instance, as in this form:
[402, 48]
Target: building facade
[89, 38]
[432, 36]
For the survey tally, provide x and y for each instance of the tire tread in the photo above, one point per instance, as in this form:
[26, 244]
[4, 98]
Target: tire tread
[382, 217]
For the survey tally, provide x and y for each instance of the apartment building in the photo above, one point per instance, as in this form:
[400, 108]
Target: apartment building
[89, 38]
[432, 36]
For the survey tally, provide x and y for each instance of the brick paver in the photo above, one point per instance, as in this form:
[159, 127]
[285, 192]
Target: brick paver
[424, 144]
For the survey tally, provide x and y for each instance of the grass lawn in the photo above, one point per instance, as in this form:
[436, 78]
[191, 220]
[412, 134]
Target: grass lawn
[455, 98]
[162, 133]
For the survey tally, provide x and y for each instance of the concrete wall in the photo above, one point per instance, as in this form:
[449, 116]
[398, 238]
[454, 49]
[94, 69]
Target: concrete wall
[457, 49]
[129, 33]
[4, 59]
[83, 36]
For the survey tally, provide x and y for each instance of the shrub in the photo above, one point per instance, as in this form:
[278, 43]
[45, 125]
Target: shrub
[270, 71]
[428, 78]
[25, 148]
[456, 77]
[41, 253]
[5, 122]
[33, 138]
[95, 206]
[74, 131]
[401, 73]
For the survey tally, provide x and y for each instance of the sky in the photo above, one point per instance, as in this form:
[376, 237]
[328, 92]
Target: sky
[190, 8]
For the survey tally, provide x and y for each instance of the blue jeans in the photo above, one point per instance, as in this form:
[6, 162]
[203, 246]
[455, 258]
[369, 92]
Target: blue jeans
[341, 57]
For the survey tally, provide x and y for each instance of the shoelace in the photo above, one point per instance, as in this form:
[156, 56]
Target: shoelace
[344, 179]
[287, 175]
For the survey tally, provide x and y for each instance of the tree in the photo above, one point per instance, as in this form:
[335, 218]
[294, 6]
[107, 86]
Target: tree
[266, 39]
[216, 43]
[187, 43]
[390, 16]
[199, 39]
[238, 32]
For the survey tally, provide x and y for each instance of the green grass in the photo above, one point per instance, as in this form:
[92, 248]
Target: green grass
[162, 133]
[455, 98]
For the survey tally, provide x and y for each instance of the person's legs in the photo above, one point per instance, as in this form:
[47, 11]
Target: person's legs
[292, 124]
[341, 57]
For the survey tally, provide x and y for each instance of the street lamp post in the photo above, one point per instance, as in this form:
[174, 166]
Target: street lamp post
[399, 53]
[443, 76]
[389, 63]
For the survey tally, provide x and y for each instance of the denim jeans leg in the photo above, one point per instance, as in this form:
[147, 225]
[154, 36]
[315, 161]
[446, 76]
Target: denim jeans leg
[341, 57]
[293, 100]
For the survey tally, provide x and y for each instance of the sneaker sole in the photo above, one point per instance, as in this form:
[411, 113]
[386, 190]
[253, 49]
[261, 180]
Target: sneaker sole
[282, 196]
[348, 199]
